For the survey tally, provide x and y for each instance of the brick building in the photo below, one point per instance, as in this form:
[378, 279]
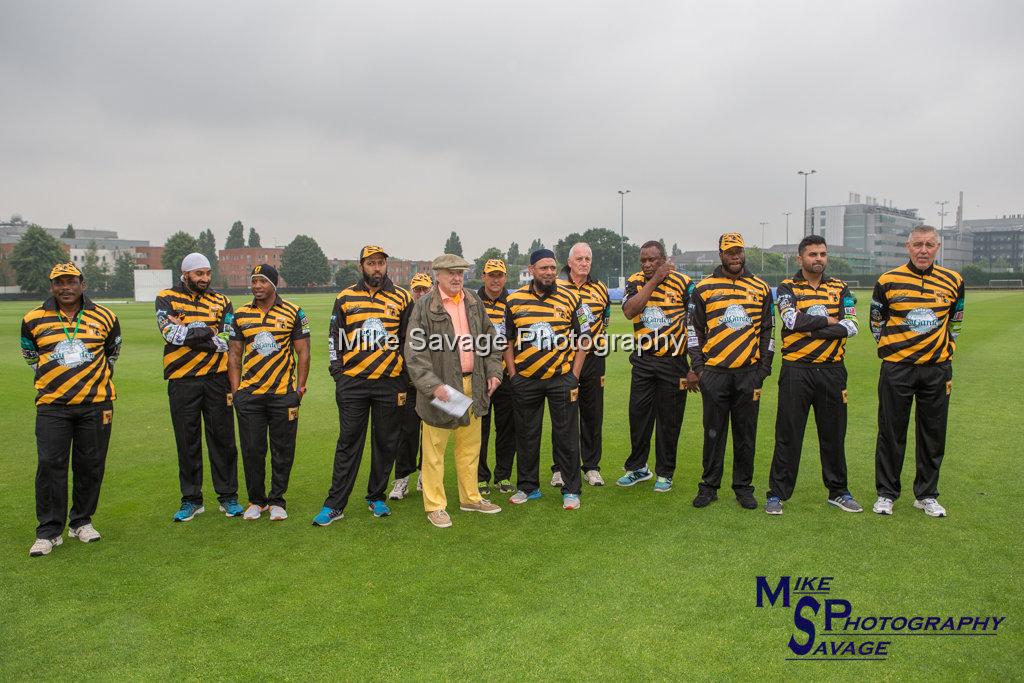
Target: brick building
[236, 264]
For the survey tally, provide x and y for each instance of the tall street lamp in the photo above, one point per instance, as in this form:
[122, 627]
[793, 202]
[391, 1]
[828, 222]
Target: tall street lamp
[942, 225]
[622, 237]
[786, 256]
[763, 223]
[805, 174]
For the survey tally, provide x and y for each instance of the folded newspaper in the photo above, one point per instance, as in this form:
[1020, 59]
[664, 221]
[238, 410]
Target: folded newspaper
[456, 405]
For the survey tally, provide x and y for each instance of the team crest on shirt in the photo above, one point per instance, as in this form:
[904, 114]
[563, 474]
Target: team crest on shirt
[392, 310]
[561, 312]
[736, 318]
[942, 298]
[754, 296]
[71, 353]
[922, 320]
[280, 323]
[372, 333]
[654, 318]
[265, 344]
[588, 313]
[543, 336]
[833, 297]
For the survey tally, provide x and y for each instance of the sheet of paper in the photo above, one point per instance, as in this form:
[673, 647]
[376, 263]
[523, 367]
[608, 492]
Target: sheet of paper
[456, 405]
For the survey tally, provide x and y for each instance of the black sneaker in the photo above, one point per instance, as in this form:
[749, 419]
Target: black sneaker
[505, 486]
[484, 488]
[704, 498]
[747, 501]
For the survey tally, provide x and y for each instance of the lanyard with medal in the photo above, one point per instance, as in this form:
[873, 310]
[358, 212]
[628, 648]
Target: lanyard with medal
[74, 351]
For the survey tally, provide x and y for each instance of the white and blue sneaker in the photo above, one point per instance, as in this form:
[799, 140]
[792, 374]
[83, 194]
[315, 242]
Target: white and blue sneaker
[326, 516]
[773, 506]
[521, 497]
[846, 503]
[187, 511]
[231, 508]
[379, 508]
[634, 477]
[662, 484]
[570, 501]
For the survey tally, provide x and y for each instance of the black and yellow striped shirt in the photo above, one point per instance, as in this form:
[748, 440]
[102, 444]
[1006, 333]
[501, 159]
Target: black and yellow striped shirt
[916, 315]
[495, 309]
[660, 328]
[71, 367]
[367, 331]
[268, 360]
[730, 323]
[806, 335]
[196, 345]
[544, 330]
[596, 305]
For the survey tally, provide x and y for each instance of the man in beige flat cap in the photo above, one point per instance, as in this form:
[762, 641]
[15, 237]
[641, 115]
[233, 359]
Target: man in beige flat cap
[452, 343]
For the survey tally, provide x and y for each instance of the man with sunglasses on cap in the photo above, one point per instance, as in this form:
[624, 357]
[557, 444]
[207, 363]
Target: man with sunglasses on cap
[495, 297]
[729, 338]
[266, 338]
[410, 453]
[367, 331]
[72, 344]
[194, 320]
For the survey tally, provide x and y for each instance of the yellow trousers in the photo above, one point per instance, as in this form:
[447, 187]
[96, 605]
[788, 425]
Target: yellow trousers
[467, 456]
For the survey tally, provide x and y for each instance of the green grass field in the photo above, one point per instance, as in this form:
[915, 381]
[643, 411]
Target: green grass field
[634, 585]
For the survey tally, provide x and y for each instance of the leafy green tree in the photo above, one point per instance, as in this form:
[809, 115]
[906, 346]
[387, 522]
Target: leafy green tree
[122, 281]
[773, 263]
[254, 238]
[304, 263]
[33, 256]
[236, 236]
[346, 276]
[453, 245]
[94, 272]
[69, 232]
[513, 255]
[178, 246]
[534, 246]
[839, 266]
[206, 244]
[974, 274]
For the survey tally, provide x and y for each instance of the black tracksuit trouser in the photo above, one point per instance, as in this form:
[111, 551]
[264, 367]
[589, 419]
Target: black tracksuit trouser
[503, 409]
[657, 396]
[410, 450]
[591, 406]
[803, 386]
[730, 395]
[899, 384]
[79, 435]
[561, 393]
[200, 404]
[357, 399]
[258, 416]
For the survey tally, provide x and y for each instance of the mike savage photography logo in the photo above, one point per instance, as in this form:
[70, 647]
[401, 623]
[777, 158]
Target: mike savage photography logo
[827, 628]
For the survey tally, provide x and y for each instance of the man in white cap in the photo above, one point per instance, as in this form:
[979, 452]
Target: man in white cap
[194, 321]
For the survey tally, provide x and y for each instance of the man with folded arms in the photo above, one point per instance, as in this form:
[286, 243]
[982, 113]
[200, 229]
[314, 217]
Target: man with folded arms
[468, 360]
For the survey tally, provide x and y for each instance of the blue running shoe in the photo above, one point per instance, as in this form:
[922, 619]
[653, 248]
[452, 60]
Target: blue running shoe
[188, 511]
[379, 508]
[326, 516]
[521, 497]
[662, 485]
[231, 508]
[634, 477]
[570, 501]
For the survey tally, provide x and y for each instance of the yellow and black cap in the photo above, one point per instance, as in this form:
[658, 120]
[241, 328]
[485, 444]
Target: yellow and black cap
[730, 240]
[371, 250]
[267, 271]
[62, 269]
[421, 280]
[495, 265]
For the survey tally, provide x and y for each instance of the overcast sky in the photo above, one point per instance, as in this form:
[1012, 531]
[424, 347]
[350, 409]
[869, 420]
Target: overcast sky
[396, 122]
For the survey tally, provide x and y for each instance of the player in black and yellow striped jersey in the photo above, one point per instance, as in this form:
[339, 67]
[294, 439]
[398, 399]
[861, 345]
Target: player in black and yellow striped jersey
[268, 363]
[916, 313]
[656, 300]
[72, 344]
[729, 337]
[545, 326]
[367, 332]
[194, 322]
[495, 298]
[410, 452]
[818, 314]
[598, 310]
